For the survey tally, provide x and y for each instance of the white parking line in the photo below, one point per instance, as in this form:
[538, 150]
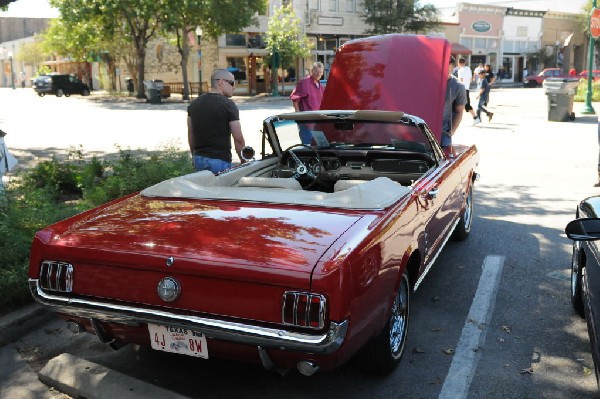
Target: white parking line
[466, 355]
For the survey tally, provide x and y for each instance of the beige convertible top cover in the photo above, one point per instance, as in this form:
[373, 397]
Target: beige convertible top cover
[372, 194]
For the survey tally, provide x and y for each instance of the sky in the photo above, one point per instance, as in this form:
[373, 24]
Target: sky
[30, 9]
[41, 8]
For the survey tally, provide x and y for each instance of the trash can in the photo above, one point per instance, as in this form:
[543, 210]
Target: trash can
[153, 88]
[560, 92]
[130, 86]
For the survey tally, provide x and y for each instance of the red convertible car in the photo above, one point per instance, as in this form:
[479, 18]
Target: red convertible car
[301, 258]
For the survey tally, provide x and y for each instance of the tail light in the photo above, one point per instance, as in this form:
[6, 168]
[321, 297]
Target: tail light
[56, 276]
[304, 309]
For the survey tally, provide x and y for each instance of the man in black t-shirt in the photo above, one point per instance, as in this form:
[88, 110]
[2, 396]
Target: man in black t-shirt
[213, 118]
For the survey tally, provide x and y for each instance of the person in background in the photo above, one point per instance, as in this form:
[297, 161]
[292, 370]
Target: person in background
[465, 77]
[454, 106]
[307, 96]
[491, 79]
[476, 72]
[23, 78]
[483, 91]
[489, 74]
[7, 161]
[213, 118]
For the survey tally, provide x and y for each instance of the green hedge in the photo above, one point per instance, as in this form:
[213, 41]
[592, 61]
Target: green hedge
[56, 189]
[582, 90]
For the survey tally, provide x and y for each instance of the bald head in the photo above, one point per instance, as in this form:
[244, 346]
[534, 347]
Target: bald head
[220, 74]
[222, 81]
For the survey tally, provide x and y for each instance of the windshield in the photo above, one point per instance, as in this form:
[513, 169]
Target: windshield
[352, 134]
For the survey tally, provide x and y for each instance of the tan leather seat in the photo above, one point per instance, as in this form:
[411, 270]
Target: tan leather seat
[269, 182]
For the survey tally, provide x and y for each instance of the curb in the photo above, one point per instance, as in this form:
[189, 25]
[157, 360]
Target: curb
[16, 324]
[80, 378]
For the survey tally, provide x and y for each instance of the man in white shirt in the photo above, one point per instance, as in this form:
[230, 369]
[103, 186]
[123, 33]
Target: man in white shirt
[479, 67]
[464, 77]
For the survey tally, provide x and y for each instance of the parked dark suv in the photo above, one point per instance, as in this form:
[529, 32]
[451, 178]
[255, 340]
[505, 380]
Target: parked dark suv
[59, 85]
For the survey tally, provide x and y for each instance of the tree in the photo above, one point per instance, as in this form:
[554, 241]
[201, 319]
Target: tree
[285, 38]
[400, 16]
[32, 53]
[139, 18]
[181, 17]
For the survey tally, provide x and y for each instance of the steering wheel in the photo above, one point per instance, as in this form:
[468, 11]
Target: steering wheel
[299, 169]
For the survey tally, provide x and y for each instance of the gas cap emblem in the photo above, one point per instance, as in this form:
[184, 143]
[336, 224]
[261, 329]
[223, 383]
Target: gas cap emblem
[170, 261]
[168, 289]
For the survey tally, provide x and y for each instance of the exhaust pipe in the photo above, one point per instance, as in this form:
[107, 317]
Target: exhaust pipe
[307, 368]
[75, 327]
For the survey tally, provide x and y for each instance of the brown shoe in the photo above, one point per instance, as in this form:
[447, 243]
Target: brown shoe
[490, 115]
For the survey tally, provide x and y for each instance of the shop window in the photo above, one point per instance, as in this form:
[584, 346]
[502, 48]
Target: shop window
[237, 66]
[351, 5]
[235, 40]
[329, 44]
[256, 41]
[479, 42]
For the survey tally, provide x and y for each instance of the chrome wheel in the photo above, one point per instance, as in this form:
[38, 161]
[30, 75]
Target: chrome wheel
[463, 228]
[399, 318]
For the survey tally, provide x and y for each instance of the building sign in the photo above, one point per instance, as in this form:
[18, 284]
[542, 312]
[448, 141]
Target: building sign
[481, 26]
[595, 23]
[335, 21]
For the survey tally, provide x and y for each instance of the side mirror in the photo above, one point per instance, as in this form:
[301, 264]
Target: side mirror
[248, 153]
[586, 229]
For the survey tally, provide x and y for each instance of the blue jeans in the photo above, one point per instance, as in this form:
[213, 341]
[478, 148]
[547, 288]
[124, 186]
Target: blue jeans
[305, 134]
[446, 140]
[212, 164]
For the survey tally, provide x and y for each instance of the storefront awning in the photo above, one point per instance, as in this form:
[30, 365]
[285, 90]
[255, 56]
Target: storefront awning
[460, 49]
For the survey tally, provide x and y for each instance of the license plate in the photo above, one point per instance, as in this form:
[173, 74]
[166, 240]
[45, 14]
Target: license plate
[178, 340]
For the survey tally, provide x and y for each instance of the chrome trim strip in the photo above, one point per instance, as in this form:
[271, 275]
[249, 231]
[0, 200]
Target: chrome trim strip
[327, 342]
[422, 276]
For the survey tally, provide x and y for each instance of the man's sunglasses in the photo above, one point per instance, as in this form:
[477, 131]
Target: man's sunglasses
[231, 82]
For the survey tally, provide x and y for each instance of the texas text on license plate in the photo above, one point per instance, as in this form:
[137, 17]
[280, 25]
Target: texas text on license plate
[178, 340]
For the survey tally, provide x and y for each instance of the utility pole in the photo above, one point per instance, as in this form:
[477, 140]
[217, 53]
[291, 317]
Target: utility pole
[594, 28]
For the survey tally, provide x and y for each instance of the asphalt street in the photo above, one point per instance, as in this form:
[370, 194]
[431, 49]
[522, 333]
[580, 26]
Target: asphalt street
[511, 275]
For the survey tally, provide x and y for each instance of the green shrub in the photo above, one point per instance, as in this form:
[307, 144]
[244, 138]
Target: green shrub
[582, 90]
[56, 189]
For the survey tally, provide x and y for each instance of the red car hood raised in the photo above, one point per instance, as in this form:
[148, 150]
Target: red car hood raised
[208, 233]
[393, 72]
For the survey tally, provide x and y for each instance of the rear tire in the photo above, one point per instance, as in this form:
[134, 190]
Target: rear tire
[41, 94]
[85, 92]
[383, 353]
[463, 228]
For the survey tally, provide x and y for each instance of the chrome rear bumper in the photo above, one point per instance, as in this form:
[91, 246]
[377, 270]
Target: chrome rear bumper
[242, 333]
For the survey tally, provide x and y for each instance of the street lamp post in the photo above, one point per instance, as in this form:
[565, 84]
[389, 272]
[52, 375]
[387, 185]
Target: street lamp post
[12, 70]
[588, 109]
[199, 52]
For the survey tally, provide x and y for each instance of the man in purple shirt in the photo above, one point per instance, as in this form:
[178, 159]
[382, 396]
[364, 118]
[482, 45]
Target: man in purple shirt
[307, 96]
